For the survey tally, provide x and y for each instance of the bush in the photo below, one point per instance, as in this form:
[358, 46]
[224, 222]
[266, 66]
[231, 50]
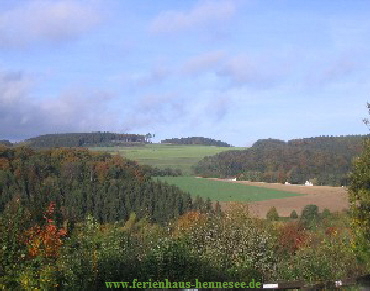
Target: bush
[293, 215]
[272, 214]
[310, 215]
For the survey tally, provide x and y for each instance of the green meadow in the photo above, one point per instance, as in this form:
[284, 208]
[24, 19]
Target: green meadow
[167, 155]
[225, 191]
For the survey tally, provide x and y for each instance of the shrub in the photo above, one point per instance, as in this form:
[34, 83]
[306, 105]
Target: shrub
[272, 214]
[293, 215]
[310, 215]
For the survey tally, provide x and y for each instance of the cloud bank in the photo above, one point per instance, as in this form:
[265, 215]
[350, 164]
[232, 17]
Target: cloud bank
[46, 21]
[201, 14]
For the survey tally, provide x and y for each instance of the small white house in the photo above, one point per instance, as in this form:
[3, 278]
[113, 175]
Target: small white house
[308, 183]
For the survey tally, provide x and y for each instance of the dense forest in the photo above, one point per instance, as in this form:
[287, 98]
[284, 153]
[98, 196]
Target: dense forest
[82, 182]
[196, 140]
[86, 140]
[324, 160]
[71, 219]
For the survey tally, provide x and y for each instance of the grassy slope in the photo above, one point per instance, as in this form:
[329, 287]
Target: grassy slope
[225, 191]
[167, 156]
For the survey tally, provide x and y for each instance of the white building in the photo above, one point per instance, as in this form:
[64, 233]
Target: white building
[308, 183]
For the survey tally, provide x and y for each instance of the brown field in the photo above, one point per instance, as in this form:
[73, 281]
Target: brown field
[333, 198]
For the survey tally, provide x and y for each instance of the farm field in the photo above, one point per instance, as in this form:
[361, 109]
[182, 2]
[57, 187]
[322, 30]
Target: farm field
[167, 155]
[333, 198]
[224, 191]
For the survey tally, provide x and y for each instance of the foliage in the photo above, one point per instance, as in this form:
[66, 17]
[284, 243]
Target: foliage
[81, 182]
[294, 215]
[290, 237]
[321, 257]
[323, 160]
[272, 214]
[232, 246]
[45, 241]
[162, 156]
[359, 197]
[85, 140]
[71, 220]
[325, 214]
[310, 215]
[196, 140]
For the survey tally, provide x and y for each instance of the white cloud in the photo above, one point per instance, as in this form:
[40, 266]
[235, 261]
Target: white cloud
[203, 62]
[200, 15]
[324, 72]
[22, 116]
[46, 21]
[259, 72]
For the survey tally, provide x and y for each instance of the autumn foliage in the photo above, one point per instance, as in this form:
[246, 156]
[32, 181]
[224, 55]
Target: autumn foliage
[291, 237]
[45, 241]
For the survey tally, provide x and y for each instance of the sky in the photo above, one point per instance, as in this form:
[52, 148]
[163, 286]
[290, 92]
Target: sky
[232, 70]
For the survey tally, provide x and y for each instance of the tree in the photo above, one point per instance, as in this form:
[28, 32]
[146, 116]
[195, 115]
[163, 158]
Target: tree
[325, 214]
[218, 210]
[310, 214]
[272, 214]
[359, 188]
[293, 215]
[148, 136]
[359, 191]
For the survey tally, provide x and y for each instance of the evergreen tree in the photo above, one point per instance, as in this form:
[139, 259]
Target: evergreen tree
[310, 215]
[293, 215]
[272, 214]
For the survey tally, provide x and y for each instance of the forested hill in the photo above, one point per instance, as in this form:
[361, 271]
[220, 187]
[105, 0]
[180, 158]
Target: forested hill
[85, 140]
[5, 142]
[323, 160]
[82, 182]
[196, 140]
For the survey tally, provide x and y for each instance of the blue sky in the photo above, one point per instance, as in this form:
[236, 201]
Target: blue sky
[231, 70]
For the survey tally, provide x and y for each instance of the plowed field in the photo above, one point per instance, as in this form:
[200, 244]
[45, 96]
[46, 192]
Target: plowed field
[333, 198]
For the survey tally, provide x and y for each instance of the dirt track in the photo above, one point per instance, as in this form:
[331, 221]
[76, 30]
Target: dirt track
[333, 198]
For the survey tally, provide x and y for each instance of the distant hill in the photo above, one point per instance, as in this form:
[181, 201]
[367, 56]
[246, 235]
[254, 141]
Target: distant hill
[167, 156]
[325, 160]
[196, 140]
[105, 139]
[5, 142]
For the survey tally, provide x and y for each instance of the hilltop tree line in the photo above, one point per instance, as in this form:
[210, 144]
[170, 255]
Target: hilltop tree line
[5, 142]
[86, 140]
[323, 160]
[196, 140]
[82, 182]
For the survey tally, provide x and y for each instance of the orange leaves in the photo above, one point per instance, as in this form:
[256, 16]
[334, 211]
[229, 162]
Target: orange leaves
[291, 237]
[45, 241]
[4, 164]
[102, 169]
[187, 221]
[332, 231]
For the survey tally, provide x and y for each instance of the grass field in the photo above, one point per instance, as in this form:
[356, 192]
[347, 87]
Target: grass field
[167, 155]
[225, 191]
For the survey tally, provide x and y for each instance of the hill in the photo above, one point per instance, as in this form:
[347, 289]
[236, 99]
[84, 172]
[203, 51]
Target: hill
[86, 140]
[167, 156]
[5, 142]
[80, 182]
[324, 160]
[196, 140]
